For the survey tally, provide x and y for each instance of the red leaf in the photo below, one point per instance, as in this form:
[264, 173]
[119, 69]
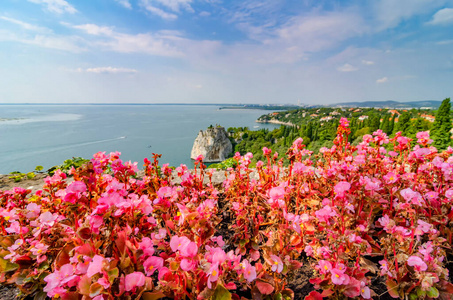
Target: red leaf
[327, 293]
[230, 286]
[315, 280]
[314, 295]
[264, 287]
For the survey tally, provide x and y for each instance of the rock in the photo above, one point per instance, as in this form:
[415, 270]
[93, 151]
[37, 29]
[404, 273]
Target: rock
[213, 144]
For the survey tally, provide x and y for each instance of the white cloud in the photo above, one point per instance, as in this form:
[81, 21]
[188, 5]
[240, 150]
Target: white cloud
[159, 12]
[167, 9]
[205, 14]
[305, 34]
[445, 42]
[95, 29]
[390, 13]
[368, 62]
[347, 68]
[174, 5]
[442, 17]
[25, 25]
[382, 80]
[56, 6]
[110, 70]
[125, 3]
[58, 42]
[162, 43]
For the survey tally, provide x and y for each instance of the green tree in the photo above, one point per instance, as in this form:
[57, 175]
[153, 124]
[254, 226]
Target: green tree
[404, 122]
[440, 132]
[386, 124]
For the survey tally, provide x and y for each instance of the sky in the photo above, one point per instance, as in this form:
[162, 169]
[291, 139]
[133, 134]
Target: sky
[225, 51]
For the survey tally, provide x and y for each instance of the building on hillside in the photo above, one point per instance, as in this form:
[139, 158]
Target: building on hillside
[429, 118]
[361, 118]
[394, 111]
[328, 118]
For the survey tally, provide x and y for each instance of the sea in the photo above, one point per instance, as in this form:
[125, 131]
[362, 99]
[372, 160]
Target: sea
[46, 135]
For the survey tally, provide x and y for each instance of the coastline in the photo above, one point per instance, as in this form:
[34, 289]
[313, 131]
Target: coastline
[273, 121]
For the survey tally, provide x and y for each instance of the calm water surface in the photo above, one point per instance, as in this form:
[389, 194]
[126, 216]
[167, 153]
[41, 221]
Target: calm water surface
[47, 135]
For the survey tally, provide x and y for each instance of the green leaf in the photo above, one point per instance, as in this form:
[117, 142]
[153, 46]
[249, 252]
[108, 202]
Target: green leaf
[432, 292]
[6, 265]
[221, 293]
[113, 274]
[95, 289]
[392, 288]
[39, 168]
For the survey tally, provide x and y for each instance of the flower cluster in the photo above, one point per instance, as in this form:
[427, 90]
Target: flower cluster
[352, 213]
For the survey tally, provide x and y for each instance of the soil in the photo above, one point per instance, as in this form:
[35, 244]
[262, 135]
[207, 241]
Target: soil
[298, 280]
[7, 183]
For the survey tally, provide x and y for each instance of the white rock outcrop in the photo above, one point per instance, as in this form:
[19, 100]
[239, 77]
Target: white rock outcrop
[213, 144]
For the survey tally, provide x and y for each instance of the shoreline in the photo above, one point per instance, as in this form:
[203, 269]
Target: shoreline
[273, 121]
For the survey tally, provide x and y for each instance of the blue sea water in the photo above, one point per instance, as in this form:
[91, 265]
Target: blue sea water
[48, 134]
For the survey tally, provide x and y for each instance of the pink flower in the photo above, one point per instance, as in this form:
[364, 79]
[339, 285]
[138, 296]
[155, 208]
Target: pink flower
[177, 243]
[418, 264]
[188, 249]
[338, 277]
[277, 264]
[344, 122]
[249, 271]
[299, 168]
[276, 193]
[341, 188]
[213, 274]
[133, 280]
[266, 151]
[423, 226]
[48, 218]
[324, 266]
[390, 178]
[96, 265]
[365, 291]
[423, 138]
[74, 191]
[152, 264]
[39, 249]
[325, 213]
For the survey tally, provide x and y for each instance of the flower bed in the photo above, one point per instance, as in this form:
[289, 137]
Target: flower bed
[353, 219]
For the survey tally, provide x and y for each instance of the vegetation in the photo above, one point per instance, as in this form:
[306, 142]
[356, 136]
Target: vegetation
[18, 176]
[353, 214]
[317, 127]
[68, 164]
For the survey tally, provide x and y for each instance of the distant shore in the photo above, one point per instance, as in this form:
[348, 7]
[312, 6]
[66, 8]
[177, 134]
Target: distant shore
[273, 121]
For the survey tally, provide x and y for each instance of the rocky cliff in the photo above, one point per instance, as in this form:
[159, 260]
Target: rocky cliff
[213, 144]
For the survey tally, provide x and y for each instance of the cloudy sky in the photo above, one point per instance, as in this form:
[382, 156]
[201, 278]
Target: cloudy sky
[225, 51]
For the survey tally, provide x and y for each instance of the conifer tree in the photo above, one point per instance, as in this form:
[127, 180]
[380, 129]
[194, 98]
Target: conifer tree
[440, 132]
[392, 124]
[385, 126]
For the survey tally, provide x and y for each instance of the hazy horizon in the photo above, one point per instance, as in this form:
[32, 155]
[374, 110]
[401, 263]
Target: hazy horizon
[226, 52]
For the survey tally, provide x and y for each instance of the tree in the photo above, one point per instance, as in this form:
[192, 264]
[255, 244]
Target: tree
[385, 126]
[440, 132]
[404, 122]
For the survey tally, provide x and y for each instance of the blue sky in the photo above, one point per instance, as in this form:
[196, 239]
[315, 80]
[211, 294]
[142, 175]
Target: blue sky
[237, 51]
